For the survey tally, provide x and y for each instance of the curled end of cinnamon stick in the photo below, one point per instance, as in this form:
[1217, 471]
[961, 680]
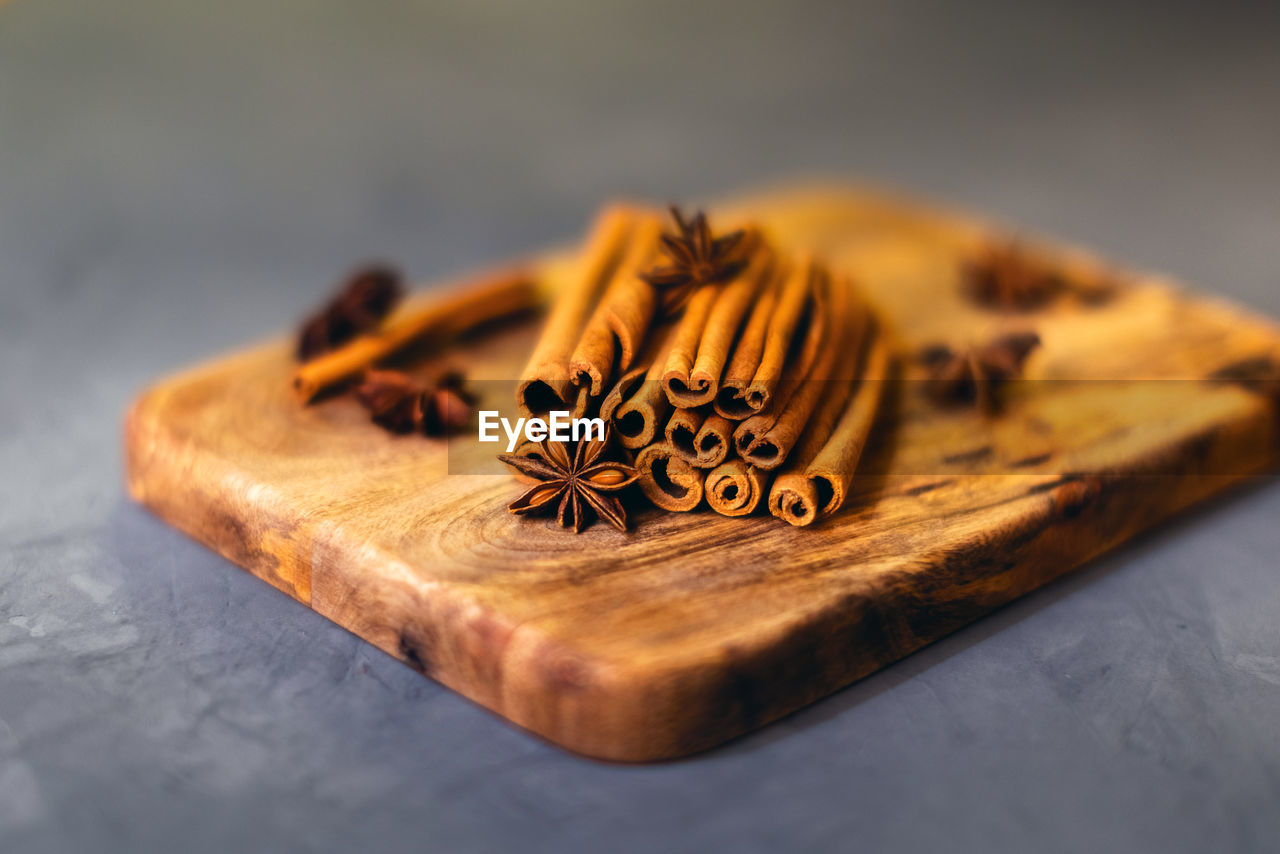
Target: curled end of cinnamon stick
[667, 480]
[799, 500]
[622, 391]
[687, 391]
[682, 433]
[587, 377]
[757, 396]
[765, 454]
[534, 395]
[637, 421]
[713, 442]
[758, 449]
[731, 401]
[305, 387]
[538, 397]
[735, 488]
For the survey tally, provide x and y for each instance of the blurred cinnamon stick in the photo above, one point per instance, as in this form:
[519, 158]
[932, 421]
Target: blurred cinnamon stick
[491, 297]
[766, 445]
[784, 326]
[817, 481]
[819, 326]
[761, 353]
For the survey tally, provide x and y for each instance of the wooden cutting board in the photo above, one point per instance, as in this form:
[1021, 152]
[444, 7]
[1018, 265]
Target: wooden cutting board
[694, 628]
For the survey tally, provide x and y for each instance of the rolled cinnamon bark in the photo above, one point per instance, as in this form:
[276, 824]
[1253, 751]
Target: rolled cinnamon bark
[682, 430]
[764, 440]
[816, 483]
[695, 365]
[736, 488]
[761, 350]
[686, 335]
[714, 441]
[637, 403]
[730, 400]
[823, 421]
[490, 297]
[832, 376]
[667, 480]
[545, 383]
[623, 390]
[616, 330]
[784, 326]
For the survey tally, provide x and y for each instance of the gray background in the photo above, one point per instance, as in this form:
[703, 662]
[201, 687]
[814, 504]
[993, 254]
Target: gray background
[179, 178]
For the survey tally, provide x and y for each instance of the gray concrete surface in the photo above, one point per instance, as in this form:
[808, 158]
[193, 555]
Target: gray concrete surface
[179, 178]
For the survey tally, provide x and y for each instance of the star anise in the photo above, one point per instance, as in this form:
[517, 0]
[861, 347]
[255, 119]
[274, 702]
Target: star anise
[367, 297]
[1005, 274]
[695, 259]
[570, 485]
[401, 404]
[974, 374]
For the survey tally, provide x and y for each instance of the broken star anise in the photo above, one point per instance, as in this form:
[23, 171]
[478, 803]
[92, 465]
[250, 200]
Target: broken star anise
[974, 374]
[401, 404]
[569, 485]
[1006, 274]
[367, 297]
[695, 259]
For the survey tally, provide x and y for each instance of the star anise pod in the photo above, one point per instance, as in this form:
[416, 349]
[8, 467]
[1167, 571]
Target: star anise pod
[573, 486]
[1005, 274]
[695, 259]
[367, 297]
[401, 404]
[974, 374]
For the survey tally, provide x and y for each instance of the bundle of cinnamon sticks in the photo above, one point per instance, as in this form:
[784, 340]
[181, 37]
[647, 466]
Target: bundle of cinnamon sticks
[737, 373]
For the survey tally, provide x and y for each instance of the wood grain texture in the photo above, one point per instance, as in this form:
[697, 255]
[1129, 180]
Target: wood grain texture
[695, 628]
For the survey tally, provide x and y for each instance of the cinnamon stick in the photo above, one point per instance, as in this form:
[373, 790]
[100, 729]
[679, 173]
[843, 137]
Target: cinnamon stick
[804, 351]
[545, 383]
[637, 403]
[694, 368]
[682, 431]
[622, 391]
[618, 325]
[736, 488]
[816, 486]
[767, 444]
[761, 352]
[686, 335]
[730, 400]
[823, 422]
[492, 296]
[783, 327]
[714, 441]
[667, 480]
